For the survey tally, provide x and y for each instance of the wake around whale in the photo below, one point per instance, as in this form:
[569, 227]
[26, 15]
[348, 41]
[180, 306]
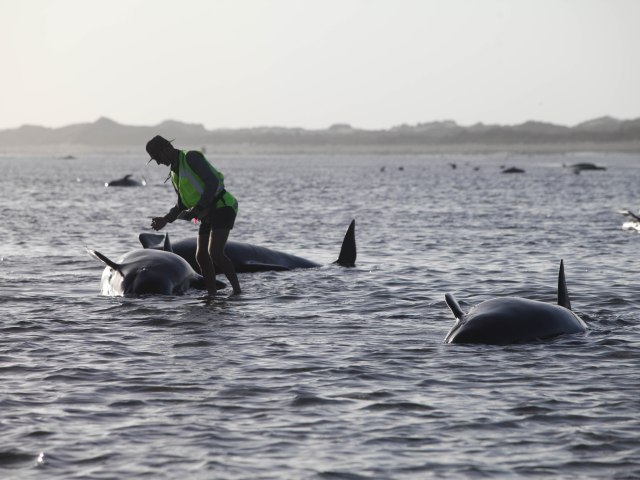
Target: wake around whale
[508, 320]
[248, 258]
[633, 223]
[143, 271]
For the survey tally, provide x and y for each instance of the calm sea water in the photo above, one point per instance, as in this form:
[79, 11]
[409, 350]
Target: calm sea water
[327, 373]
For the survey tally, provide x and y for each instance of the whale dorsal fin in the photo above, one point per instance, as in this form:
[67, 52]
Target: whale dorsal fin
[157, 241]
[347, 257]
[563, 293]
[454, 306]
[167, 243]
[107, 261]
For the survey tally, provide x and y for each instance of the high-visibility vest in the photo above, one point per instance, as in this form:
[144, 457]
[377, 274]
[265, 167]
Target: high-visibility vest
[190, 186]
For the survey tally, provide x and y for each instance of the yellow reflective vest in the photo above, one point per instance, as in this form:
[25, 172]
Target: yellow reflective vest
[190, 186]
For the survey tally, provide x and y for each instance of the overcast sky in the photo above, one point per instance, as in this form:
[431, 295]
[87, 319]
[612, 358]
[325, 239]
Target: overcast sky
[312, 63]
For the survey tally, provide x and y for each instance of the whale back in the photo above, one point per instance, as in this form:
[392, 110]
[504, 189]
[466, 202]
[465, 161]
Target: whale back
[249, 258]
[148, 272]
[510, 320]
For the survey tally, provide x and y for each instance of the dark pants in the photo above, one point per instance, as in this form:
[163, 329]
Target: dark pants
[220, 218]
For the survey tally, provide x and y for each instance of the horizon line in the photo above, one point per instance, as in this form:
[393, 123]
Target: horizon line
[333, 125]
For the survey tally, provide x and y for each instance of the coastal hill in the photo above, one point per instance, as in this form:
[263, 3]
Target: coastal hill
[601, 134]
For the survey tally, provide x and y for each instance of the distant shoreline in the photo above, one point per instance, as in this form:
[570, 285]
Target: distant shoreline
[603, 134]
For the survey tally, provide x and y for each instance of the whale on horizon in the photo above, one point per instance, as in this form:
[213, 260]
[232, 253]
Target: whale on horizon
[580, 167]
[508, 320]
[249, 258]
[512, 170]
[141, 272]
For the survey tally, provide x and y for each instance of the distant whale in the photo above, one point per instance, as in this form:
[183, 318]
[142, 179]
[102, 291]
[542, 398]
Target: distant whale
[248, 258]
[508, 320]
[148, 272]
[579, 167]
[126, 181]
[512, 170]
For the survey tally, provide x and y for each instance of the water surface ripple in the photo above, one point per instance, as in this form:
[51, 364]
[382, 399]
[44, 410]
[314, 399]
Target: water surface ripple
[327, 373]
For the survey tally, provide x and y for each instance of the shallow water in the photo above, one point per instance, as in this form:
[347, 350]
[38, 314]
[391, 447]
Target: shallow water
[326, 373]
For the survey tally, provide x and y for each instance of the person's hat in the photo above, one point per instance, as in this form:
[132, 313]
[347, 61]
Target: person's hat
[156, 145]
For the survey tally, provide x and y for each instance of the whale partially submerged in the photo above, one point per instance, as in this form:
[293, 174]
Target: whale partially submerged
[126, 181]
[512, 170]
[141, 272]
[248, 258]
[508, 320]
[583, 166]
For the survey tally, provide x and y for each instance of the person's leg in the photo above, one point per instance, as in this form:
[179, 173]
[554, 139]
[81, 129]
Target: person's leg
[204, 260]
[217, 244]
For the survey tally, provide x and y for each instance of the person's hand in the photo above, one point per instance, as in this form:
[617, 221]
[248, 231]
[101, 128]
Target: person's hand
[158, 223]
[190, 213]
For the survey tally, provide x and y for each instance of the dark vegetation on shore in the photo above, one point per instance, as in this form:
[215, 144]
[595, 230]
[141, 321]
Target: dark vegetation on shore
[104, 135]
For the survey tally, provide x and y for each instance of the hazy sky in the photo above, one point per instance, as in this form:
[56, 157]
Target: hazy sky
[312, 63]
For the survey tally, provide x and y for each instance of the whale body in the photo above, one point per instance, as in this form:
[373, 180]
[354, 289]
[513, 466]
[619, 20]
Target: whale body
[249, 258]
[580, 167]
[143, 271]
[512, 170]
[508, 320]
[126, 181]
[586, 166]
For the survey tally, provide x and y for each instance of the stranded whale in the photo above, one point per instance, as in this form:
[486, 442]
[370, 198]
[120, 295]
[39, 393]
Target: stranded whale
[126, 181]
[248, 258]
[579, 167]
[148, 272]
[507, 320]
[512, 170]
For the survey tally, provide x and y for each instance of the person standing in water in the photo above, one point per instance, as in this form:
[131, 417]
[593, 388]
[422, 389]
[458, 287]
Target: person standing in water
[201, 192]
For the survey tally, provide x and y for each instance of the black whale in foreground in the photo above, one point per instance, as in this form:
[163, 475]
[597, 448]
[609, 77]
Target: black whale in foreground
[508, 320]
[248, 258]
[142, 272]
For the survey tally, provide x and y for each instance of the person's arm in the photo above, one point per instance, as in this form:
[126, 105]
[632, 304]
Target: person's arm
[174, 212]
[158, 223]
[198, 164]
